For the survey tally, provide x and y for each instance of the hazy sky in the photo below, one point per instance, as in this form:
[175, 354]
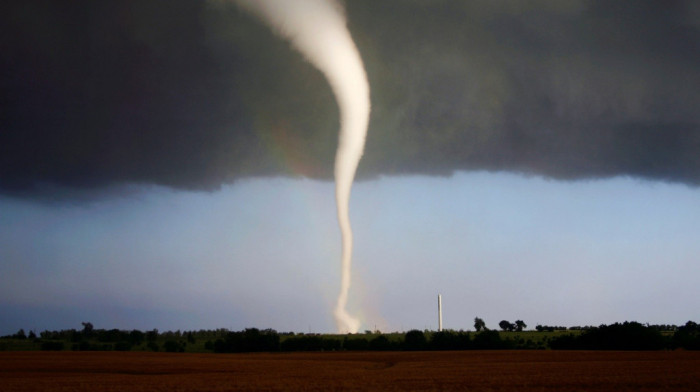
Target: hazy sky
[168, 165]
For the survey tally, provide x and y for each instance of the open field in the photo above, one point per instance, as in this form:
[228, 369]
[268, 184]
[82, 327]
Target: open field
[425, 371]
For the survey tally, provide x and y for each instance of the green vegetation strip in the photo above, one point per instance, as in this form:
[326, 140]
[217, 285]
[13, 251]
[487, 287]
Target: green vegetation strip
[618, 336]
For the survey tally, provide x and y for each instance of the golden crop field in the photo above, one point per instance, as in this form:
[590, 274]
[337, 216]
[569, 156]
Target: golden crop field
[352, 371]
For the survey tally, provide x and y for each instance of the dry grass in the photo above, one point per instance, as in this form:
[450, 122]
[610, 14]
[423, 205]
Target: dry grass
[421, 371]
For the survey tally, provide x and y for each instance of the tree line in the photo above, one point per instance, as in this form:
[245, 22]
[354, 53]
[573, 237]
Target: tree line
[618, 336]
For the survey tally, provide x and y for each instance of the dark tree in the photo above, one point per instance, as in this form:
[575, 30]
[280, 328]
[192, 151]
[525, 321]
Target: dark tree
[173, 346]
[619, 336]
[380, 343]
[302, 343]
[151, 336]
[87, 329]
[506, 325]
[688, 336]
[111, 335]
[415, 340]
[450, 340]
[479, 324]
[136, 337]
[248, 340]
[490, 340]
[355, 343]
[520, 325]
[20, 334]
[190, 337]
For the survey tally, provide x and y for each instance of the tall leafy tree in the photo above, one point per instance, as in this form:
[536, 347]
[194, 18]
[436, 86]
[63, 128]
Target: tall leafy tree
[506, 325]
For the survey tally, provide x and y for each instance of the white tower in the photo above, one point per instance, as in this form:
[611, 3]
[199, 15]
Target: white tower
[439, 313]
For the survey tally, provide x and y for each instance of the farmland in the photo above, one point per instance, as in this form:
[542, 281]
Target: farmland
[523, 370]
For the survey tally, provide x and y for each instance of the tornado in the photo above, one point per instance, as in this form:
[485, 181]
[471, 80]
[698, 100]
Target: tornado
[318, 30]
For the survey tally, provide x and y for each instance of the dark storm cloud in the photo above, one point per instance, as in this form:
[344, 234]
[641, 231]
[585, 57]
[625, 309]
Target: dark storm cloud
[191, 94]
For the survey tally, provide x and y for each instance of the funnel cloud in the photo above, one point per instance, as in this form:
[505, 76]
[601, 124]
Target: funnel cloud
[317, 29]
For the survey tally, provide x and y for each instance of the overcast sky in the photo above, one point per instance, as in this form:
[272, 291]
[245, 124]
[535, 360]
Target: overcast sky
[168, 164]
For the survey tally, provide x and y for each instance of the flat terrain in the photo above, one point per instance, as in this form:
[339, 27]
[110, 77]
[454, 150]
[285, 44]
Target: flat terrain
[334, 371]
